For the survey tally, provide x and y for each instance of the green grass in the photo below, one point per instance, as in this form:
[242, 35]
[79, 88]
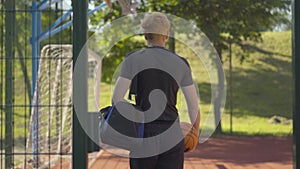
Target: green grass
[261, 89]
[261, 85]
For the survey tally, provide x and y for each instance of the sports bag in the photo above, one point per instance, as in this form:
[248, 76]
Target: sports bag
[119, 131]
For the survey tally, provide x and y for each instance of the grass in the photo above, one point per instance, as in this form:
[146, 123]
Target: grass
[261, 86]
[261, 89]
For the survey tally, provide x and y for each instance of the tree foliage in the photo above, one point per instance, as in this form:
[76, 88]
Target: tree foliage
[109, 38]
[224, 22]
[228, 21]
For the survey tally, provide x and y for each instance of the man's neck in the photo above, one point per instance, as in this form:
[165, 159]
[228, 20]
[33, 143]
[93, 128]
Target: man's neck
[161, 44]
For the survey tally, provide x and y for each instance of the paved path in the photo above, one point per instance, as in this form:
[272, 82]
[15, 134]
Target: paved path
[224, 153]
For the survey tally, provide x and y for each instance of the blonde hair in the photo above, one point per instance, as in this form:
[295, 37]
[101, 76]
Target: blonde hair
[156, 23]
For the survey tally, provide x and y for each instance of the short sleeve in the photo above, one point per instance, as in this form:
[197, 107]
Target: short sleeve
[126, 69]
[187, 78]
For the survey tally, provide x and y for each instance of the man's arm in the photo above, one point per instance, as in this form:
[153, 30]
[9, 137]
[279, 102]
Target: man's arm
[121, 87]
[191, 98]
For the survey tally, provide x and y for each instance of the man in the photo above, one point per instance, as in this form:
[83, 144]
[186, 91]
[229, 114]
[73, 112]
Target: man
[154, 76]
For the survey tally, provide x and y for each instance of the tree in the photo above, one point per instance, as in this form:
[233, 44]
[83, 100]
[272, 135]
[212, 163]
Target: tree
[223, 21]
[227, 22]
[109, 37]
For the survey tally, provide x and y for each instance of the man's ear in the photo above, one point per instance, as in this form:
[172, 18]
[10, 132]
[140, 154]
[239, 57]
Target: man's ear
[168, 34]
[146, 36]
[166, 38]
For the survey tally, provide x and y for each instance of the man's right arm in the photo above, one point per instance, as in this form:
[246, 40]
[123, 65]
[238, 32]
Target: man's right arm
[191, 98]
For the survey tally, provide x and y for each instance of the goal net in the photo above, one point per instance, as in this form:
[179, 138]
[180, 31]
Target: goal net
[50, 135]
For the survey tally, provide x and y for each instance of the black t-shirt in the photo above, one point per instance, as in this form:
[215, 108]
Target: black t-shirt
[156, 68]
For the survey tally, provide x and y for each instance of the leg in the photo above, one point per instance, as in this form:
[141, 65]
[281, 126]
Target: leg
[143, 163]
[172, 159]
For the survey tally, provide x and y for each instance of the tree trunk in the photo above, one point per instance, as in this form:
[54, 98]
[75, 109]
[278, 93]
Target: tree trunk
[172, 41]
[220, 93]
[24, 70]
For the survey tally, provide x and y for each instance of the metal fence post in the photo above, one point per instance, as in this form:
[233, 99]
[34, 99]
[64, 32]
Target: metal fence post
[79, 141]
[9, 54]
[296, 83]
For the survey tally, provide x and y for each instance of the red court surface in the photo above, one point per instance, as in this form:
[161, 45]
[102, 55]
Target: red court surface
[223, 153]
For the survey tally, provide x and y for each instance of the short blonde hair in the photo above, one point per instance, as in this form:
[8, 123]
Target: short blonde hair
[156, 23]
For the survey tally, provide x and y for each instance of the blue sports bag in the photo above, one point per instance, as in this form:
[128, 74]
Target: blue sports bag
[122, 129]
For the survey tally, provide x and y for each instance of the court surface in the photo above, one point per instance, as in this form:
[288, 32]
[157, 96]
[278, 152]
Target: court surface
[223, 153]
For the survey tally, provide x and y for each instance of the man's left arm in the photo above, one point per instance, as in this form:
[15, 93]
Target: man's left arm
[121, 87]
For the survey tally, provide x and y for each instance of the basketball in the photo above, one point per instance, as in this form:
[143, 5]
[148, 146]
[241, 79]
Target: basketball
[190, 136]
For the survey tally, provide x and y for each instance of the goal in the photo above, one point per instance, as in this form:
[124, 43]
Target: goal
[50, 134]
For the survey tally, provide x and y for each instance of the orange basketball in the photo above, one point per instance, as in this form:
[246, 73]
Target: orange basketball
[190, 135]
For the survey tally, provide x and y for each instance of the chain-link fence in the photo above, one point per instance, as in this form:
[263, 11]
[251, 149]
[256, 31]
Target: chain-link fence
[36, 104]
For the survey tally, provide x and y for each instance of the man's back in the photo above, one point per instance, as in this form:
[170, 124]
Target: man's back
[156, 68]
